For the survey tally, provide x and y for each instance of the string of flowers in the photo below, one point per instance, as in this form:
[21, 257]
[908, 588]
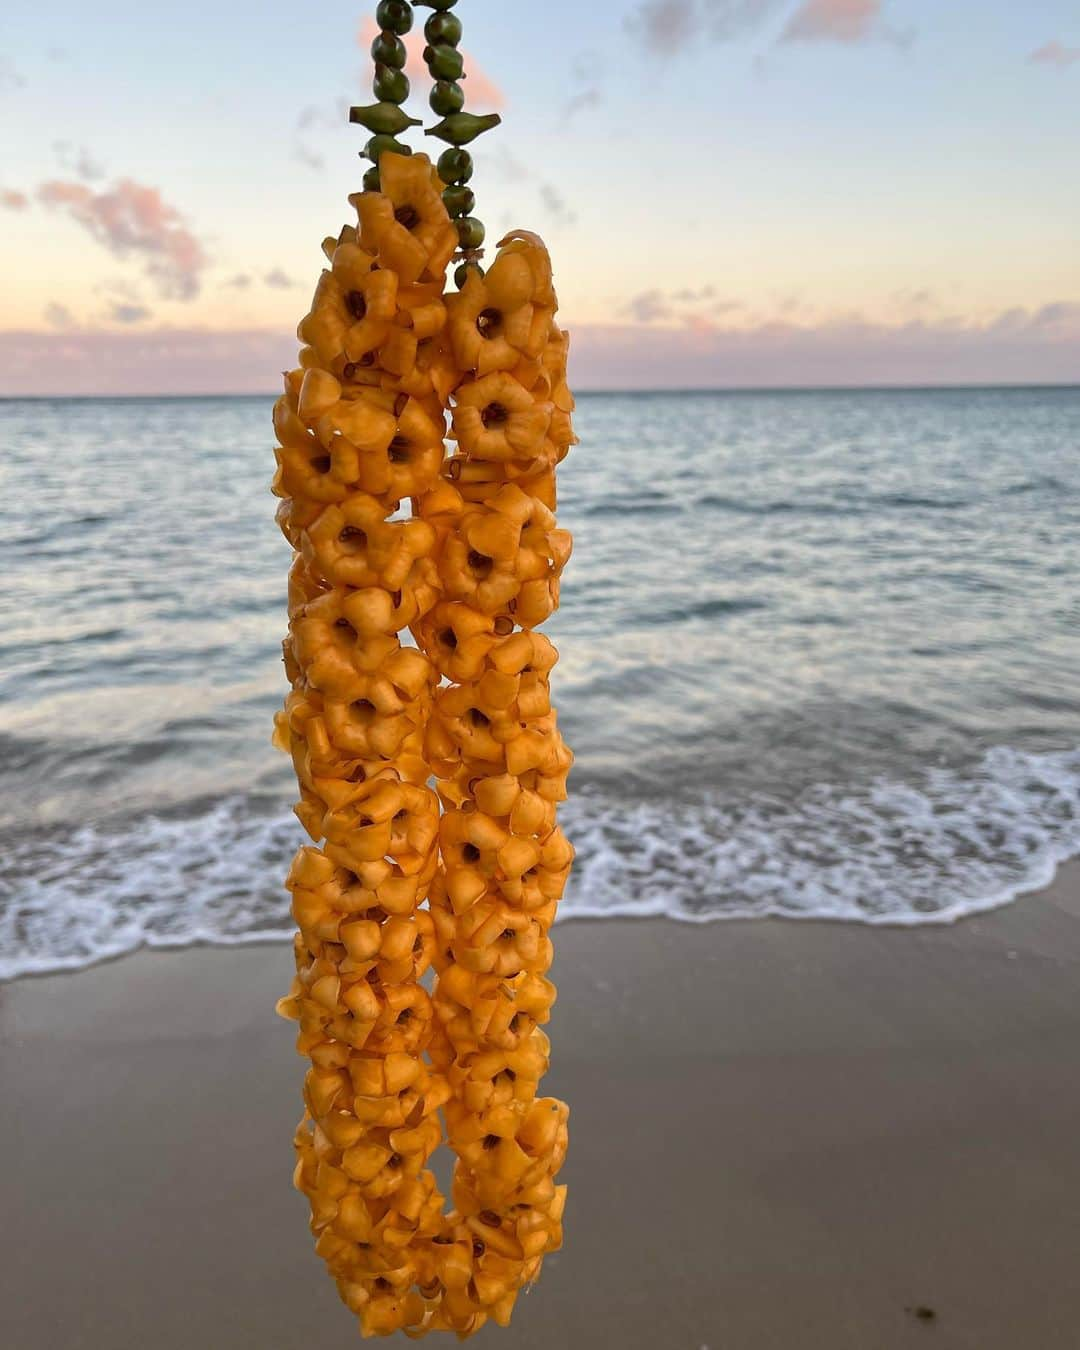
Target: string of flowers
[400, 877]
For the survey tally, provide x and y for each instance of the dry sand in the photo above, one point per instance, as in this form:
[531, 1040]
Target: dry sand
[783, 1137]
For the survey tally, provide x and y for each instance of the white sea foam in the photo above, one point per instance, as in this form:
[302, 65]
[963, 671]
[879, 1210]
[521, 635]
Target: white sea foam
[886, 853]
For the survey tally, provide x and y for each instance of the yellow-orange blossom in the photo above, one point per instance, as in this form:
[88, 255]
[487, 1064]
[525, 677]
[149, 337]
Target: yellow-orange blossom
[470, 573]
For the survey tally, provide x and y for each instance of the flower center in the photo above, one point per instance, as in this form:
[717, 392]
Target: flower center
[351, 367]
[494, 415]
[399, 450]
[353, 537]
[407, 215]
[479, 562]
[489, 322]
[321, 464]
[356, 304]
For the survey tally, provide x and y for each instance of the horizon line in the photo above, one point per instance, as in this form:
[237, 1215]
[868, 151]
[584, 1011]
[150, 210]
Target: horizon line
[898, 388]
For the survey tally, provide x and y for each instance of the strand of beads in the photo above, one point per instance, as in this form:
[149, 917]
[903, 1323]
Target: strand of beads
[459, 128]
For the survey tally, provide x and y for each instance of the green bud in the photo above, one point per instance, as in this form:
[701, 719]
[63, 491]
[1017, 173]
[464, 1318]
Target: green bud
[436, 4]
[382, 145]
[461, 127]
[459, 200]
[390, 85]
[446, 97]
[388, 50]
[371, 180]
[455, 165]
[395, 16]
[461, 275]
[385, 118]
[443, 28]
[445, 63]
[470, 232]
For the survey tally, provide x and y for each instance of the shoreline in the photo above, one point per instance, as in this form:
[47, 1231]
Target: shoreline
[951, 917]
[783, 1137]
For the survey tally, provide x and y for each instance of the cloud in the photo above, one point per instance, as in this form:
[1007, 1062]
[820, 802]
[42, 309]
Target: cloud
[670, 26]
[482, 94]
[1055, 53]
[1060, 312]
[506, 165]
[59, 316]
[556, 206]
[306, 155]
[656, 306]
[1039, 346]
[847, 21]
[125, 313]
[686, 294]
[332, 116]
[647, 306]
[587, 98]
[131, 220]
[11, 200]
[78, 160]
[9, 76]
[240, 282]
[277, 280]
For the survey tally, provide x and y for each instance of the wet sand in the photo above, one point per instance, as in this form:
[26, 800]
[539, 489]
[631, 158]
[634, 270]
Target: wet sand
[784, 1136]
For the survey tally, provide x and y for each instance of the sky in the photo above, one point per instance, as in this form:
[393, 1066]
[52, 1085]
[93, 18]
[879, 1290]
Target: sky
[735, 192]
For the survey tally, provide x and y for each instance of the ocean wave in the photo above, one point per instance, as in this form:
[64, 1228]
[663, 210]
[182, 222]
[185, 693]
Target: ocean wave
[887, 852]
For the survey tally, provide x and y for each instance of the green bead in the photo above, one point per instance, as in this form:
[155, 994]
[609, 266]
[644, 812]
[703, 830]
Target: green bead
[371, 180]
[461, 127]
[455, 165]
[385, 118]
[445, 63]
[388, 50]
[443, 28]
[446, 97]
[382, 145]
[390, 85]
[459, 200]
[394, 15]
[462, 273]
[470, 232]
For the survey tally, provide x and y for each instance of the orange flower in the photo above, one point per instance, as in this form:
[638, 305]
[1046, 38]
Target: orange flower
[502, 547]
[498, 319]
[353, 544]
[405, 224]
[410, 460]
[496, 419]
[353, 308]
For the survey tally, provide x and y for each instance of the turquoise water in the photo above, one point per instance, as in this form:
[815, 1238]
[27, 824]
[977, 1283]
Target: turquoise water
[819, 655]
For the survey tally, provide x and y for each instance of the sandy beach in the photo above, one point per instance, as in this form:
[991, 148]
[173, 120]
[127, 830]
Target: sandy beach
[785, 1136]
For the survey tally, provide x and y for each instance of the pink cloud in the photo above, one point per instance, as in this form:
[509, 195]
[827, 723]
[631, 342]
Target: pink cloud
[1040, 346]
[12, 200]
[833, 21]
[1055, 53]
[481, 92]
[131, 219]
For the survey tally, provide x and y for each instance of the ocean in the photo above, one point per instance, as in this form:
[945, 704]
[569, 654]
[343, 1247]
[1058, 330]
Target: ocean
[819, 660]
